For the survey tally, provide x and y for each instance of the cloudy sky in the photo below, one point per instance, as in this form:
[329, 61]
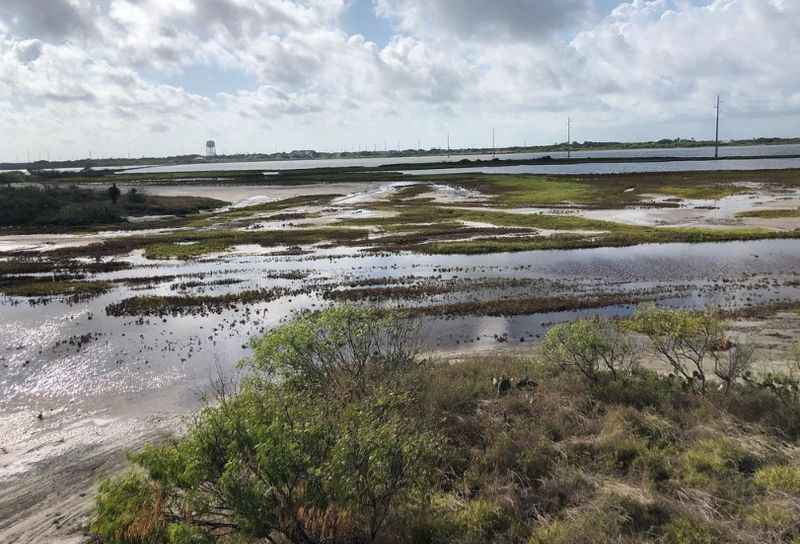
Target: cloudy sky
[159, 77]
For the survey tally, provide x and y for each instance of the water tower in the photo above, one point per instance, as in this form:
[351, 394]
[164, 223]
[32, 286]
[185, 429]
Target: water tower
[211, 149]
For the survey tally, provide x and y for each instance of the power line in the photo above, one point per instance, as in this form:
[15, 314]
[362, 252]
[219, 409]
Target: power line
[569, 137]
[716, 138]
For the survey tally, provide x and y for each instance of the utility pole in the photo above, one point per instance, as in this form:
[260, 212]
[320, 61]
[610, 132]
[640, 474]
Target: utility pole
[716, 138]
[569, 137]
[494, 148]
[448, 145]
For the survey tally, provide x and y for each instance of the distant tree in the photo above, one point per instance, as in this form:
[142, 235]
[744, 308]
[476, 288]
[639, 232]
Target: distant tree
[590, 346]
[113, 193]
[342, 350]
[684, 339]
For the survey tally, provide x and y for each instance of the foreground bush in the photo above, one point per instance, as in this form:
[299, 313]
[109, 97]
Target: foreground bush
[684, 339]
[590, 346]
[342, 434]
[292, 457]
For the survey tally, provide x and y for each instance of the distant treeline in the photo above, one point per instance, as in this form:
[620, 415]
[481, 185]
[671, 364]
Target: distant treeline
[71, 206]
[665, 143]
[33, 205]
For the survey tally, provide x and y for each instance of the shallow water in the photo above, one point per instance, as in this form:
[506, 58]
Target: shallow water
[620, 167]
[738, 151]
[127, 358]
[101, 381]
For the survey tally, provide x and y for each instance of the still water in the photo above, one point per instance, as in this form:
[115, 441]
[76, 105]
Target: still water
[749, 151]
[58, 352]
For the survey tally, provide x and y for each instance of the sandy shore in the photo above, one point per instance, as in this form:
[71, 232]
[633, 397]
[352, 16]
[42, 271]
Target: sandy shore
[52, 501]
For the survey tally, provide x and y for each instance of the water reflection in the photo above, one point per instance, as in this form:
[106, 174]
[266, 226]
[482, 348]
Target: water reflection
[76, 353]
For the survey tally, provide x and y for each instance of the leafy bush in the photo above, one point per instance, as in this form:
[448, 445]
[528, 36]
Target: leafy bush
[341, 350]
[129, 510]
[590, 346]
[31, 205]
[280, 457]
[683, 339]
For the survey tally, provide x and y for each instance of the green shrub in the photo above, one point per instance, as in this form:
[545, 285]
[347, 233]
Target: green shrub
[785, 478]
[590, 346]
[683, 339]
[771, 516]
[610, 519]
[339, 351]
[181, 533]
[480, 520]
[717, 460]
[82, 214]
[310, 463]
[128, 511]
[688, 531]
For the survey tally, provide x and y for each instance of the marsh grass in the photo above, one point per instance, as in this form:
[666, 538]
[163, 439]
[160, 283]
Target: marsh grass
[771, 214]
[38, 288]
[58, 206]
[154, 305]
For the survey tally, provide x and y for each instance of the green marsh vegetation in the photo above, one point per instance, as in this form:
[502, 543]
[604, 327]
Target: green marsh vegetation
[64, 278]
[439, 225]
[408, 220]
[40, 288]
[343, 433]
[771, 214]
[72, 206]
[612, 191]
[191, 243]
[154, 305]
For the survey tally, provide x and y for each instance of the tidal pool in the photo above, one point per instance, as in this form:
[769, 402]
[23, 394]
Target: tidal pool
[55, 351]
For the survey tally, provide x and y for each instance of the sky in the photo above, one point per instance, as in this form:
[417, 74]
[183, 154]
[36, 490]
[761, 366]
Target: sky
[160, 77]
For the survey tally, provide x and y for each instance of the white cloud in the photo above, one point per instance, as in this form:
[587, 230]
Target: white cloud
[501, 20]
[93, 72]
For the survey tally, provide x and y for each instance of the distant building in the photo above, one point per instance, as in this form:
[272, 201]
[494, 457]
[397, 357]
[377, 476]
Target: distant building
[211, 149]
